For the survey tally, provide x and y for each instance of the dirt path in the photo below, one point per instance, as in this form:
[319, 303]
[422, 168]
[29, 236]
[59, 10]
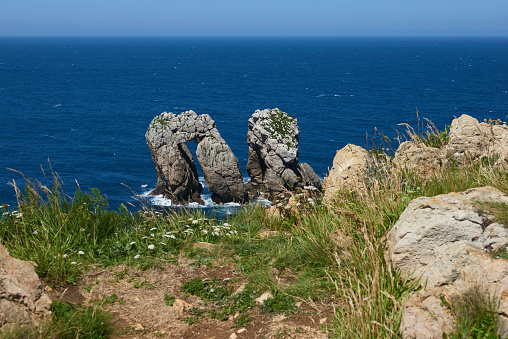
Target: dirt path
[138, 301]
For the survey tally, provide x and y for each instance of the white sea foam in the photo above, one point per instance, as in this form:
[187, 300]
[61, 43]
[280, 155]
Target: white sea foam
[329, 95]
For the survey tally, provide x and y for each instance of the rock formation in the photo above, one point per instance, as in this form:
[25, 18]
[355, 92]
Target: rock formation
[420, 159]
[22, 298]
[177, 175]
[273, 154]
[352, 168]
[444, 241]
[476, 140]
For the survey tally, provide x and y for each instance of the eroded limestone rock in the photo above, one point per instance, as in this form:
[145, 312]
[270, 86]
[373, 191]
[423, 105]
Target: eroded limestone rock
[444, 241]
[352, 169]
[422, 160]
[476, 140]
[177, 175]
[273, 154]
[22, 298]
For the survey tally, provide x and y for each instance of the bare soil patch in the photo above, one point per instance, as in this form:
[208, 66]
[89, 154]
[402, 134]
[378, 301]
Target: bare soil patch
[137, 299]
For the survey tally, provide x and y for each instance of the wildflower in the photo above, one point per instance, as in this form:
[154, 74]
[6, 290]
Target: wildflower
[35, 232]
[152, 235]
[297, 204]
[172, 236]
[153, 228]
[226, 224]
[151, 247]
[81, 252]
[195, 221]
[136, 256]
[132, 243]
[82, 229]
[204, 231]
[65, 256]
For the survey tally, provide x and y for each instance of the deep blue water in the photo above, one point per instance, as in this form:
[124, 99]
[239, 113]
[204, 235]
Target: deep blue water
[85, 103]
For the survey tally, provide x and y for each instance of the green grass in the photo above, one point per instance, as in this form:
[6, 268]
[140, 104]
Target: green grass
[475, 313]
[68, 322]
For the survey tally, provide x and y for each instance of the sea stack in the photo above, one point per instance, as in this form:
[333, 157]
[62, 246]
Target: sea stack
[273, 154]
[177, 175]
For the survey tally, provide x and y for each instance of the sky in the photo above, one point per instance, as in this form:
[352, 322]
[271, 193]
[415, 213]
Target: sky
[254, 18]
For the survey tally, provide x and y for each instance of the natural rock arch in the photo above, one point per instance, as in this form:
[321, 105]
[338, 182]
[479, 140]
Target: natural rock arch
[177, 175]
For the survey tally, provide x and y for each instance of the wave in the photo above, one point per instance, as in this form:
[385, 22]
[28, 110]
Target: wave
[329, 95]
[206, 196]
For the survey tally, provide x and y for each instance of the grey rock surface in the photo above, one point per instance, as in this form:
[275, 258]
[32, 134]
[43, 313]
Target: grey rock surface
[273, 154]
[444, 241]
[22, 298]
[177, 175]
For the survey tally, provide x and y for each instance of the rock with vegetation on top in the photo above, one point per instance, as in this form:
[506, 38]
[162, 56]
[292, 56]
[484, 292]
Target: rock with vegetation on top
[273, 154]
[353, 168]
[22, 298]
[422, 160]
[446, 242]
[476, 140]
[177, 175]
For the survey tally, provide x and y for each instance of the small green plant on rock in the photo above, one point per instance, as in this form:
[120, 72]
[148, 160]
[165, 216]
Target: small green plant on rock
[475, 313]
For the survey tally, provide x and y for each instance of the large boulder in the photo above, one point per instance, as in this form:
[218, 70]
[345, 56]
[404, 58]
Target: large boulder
[273, 154]
[177, 175]
[353, 168]
[22, 298]
[477, 140]
[422, 160]
[444, 241]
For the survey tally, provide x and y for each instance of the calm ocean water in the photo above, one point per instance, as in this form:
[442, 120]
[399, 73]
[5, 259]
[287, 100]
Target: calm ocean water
[85, 103]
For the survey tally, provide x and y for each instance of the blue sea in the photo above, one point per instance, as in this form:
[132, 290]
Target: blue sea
[85, 104]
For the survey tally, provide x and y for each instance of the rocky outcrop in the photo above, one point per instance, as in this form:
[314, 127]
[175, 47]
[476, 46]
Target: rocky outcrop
[353, 167]
[220, 169]
[420, 159]
[444, 241]
[22, 298]
[477, 140]
[177, 175]
[273, 154]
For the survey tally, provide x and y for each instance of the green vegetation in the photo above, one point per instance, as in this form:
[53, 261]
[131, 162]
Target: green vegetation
[280, 125]
[68, 322]
[475, 313]
[328, 254]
